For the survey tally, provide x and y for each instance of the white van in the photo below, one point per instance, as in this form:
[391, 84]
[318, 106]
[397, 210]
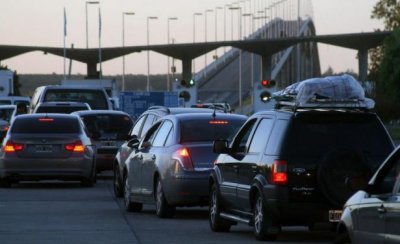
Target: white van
[96, 97]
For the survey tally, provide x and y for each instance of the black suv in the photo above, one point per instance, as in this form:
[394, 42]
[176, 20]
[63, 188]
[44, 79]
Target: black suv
[142, 124]
[290, 167]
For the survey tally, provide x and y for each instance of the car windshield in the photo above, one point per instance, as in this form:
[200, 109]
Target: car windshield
[109, 125]
[206, 129]
[95, 98]
[45, 125]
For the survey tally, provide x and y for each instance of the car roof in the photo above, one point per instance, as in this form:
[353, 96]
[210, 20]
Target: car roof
[46, 115]
[7, 106]
[73, 87]
[102, 111]
[189, 116]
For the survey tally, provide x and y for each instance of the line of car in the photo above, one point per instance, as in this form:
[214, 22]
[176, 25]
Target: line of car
[282, 167]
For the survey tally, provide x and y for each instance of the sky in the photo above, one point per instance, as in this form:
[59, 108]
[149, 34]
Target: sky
[41, 23]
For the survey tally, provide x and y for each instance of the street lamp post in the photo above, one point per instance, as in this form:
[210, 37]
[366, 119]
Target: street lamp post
[240, 54]
[86, 7]
[148, 53]
[123, 45]
[168, 41]
[194, 38]
[205, 37]
[216, 29]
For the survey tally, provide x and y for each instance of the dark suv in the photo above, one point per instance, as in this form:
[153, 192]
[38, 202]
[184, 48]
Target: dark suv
[142, 124]
[290, 167]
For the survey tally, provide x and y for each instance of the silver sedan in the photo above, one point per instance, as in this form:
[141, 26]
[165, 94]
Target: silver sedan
[47, 146]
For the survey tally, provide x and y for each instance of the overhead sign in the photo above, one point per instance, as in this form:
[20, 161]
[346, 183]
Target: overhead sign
[135, 103]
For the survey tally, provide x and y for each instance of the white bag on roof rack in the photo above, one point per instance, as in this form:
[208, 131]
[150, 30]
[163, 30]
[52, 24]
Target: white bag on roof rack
[331, 91]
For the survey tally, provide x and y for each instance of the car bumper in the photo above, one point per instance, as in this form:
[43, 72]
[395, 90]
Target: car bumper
[34, 169]
[293, 212]
[189, 189]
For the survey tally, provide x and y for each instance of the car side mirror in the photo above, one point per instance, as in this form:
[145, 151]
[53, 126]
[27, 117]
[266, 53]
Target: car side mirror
[220, 146]
[133, 143]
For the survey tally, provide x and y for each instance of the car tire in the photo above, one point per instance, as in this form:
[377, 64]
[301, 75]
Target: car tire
[130, 206]
[343, 238]
[117, 182]
[261, 222]
[90, 181]
[6, 183]
[217, 224]
[163, 209]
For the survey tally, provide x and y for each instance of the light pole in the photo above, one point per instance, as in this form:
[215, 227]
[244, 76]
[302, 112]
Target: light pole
[216, 29]
[123, 45]
[168, 39]
[87, 34]
[194, 38]
[240, 54]
[205, 37]
[148, 53]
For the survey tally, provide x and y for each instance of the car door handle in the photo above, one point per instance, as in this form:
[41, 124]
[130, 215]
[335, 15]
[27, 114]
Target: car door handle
[381, 210]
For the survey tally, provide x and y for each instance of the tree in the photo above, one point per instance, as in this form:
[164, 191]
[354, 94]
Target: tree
[384, 64]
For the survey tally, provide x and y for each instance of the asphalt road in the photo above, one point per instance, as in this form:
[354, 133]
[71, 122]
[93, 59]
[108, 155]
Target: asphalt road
[59, 212]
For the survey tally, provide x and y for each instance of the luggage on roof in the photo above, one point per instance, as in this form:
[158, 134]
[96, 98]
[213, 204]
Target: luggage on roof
[332, 91]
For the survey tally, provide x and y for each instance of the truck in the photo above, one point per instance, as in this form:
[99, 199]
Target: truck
[110, 85]
[6, 82]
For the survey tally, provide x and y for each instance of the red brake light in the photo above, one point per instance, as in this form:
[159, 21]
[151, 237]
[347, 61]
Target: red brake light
[46, 119]
[183, 157]
[12, 147]
[279, 172]
[75, 147]
[218, 122]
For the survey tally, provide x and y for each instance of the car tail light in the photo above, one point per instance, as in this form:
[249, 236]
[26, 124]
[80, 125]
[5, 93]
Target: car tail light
[75, 147]
[279, 172]
[218, 122]
[12, 147]
[183, 157]
[46, 119]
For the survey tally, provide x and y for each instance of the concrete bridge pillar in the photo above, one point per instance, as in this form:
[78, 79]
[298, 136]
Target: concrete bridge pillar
[363, 64]
[187, 69]
[91, 69]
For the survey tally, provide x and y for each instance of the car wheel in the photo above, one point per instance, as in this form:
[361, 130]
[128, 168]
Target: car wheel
[216, 222]
[89, 182]
[118, 185]
[5, 183]
[262, 224]
[130, 206]
[163, 209]
[343, 238]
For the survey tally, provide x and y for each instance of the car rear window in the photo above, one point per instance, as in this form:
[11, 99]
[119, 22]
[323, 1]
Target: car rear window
[108, 124]
[46, 125]
[6, 114]
[316, 134]
[95, 98]
[208, 129]
[60, 109]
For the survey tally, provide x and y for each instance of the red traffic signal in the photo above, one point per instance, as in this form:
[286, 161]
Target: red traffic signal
[268, 83]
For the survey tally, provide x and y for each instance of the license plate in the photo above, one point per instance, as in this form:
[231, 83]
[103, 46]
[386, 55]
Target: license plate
[44, 148]
[109, 144]
[335, 215]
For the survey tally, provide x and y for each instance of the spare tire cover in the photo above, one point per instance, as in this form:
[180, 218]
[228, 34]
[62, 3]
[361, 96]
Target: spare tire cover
[335, 169]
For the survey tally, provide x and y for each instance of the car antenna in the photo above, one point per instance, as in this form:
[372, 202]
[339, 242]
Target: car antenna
[214, 113]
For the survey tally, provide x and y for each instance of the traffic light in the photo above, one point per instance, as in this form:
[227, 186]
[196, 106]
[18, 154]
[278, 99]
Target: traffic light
[184, 83]
[185, 95]
[268, 83]
[265, 96]
[191, 83]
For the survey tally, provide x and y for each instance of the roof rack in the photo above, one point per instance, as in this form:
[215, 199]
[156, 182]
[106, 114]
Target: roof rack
[334, 92]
